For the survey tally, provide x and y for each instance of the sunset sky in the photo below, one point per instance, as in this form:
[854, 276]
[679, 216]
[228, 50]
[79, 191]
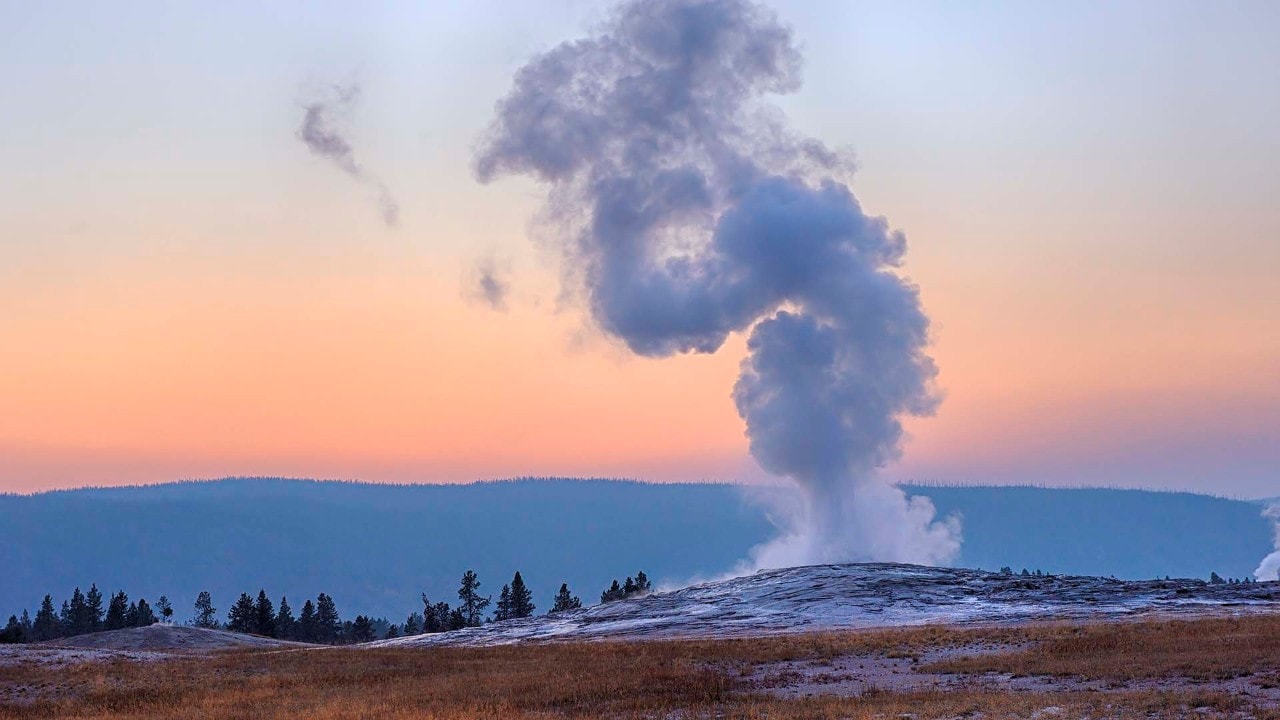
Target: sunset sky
[1090, 194]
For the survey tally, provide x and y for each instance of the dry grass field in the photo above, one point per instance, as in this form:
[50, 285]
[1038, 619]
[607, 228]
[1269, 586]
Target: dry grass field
[1194, 668]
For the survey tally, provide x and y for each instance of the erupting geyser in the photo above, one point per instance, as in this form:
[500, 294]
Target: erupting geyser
[688, 210]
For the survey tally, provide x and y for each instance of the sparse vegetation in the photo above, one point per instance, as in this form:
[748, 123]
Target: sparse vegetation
[684, 679]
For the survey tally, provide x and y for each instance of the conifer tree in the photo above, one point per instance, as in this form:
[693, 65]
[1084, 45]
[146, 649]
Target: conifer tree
[25, 621]
[241, 616]
[503, 611]
[205, 616]
[412, 625]
[165, 607]
[286, 626]
[142, 615]
[361, 629]
[457, 619]
[76, 616]
[12, 632]
[393, 631]
[521, 603]
[118, 612]
[642, 583]
[264, 616]
[328, 623]
[46, 625]
[473, 604]
[307, 626]
[565, 600]
[613, 593]
[93, 608]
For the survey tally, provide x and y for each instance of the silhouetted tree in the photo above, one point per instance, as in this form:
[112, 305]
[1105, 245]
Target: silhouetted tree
[393, 631]
[241, 616]
[118, 612]
[93, 608]
[264, 616]
[521, 599]
[457, 619]
[565, 600]
[165, 608]
[613, 593]
[12, 632]
[412, 624]
[308, 628]
[26, 623]
[286, 626]
[328, 623]
[472, 604]
[362, 629]
[46, 625]
[503, 611]
[642, 583]
[141, 615]
[205, 616]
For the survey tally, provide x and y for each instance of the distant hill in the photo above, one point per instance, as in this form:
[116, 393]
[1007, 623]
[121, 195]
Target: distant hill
[376, 548]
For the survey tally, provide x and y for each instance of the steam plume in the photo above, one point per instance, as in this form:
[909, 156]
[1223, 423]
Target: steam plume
[687, 210]
[488, 283]
[324, 132]
[1270, 567]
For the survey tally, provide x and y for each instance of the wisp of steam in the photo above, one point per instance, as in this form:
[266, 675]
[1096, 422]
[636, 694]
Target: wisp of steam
[323, 132]
[688, 210]
[1269, 569]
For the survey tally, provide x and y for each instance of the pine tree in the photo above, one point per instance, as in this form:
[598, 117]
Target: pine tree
[565, 600]
[141, 616]
[473, 604]
[25, 621]
[413, 624]
[93, 608]
[286, 626]
[78, 617]
[629, 587]
[393, 631]
[165, 608]
[307, 627]
[457, 619]
[205, 616]
[361, 630]
[521, 599]
[118, 612]
[12, 632]
[613, 593]
[46, 625]
[264, 616]
[504, 605]
[642, 583]
[240, 618]
[328, 623]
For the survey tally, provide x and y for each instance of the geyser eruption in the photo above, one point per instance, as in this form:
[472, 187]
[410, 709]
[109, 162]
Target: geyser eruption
[1269, 569]
[688, 210]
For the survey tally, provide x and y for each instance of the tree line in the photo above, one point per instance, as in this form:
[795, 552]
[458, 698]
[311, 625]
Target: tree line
[316, 622]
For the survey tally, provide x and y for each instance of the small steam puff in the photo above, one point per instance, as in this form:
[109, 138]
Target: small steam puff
[323, 132]
[1270, 567]
[488, 284]
[687, 211]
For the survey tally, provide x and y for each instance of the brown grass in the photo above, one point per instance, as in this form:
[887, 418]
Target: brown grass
[1203, 650]
[645, 680]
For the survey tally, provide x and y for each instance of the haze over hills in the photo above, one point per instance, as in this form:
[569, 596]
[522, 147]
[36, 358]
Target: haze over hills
[376, 548]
